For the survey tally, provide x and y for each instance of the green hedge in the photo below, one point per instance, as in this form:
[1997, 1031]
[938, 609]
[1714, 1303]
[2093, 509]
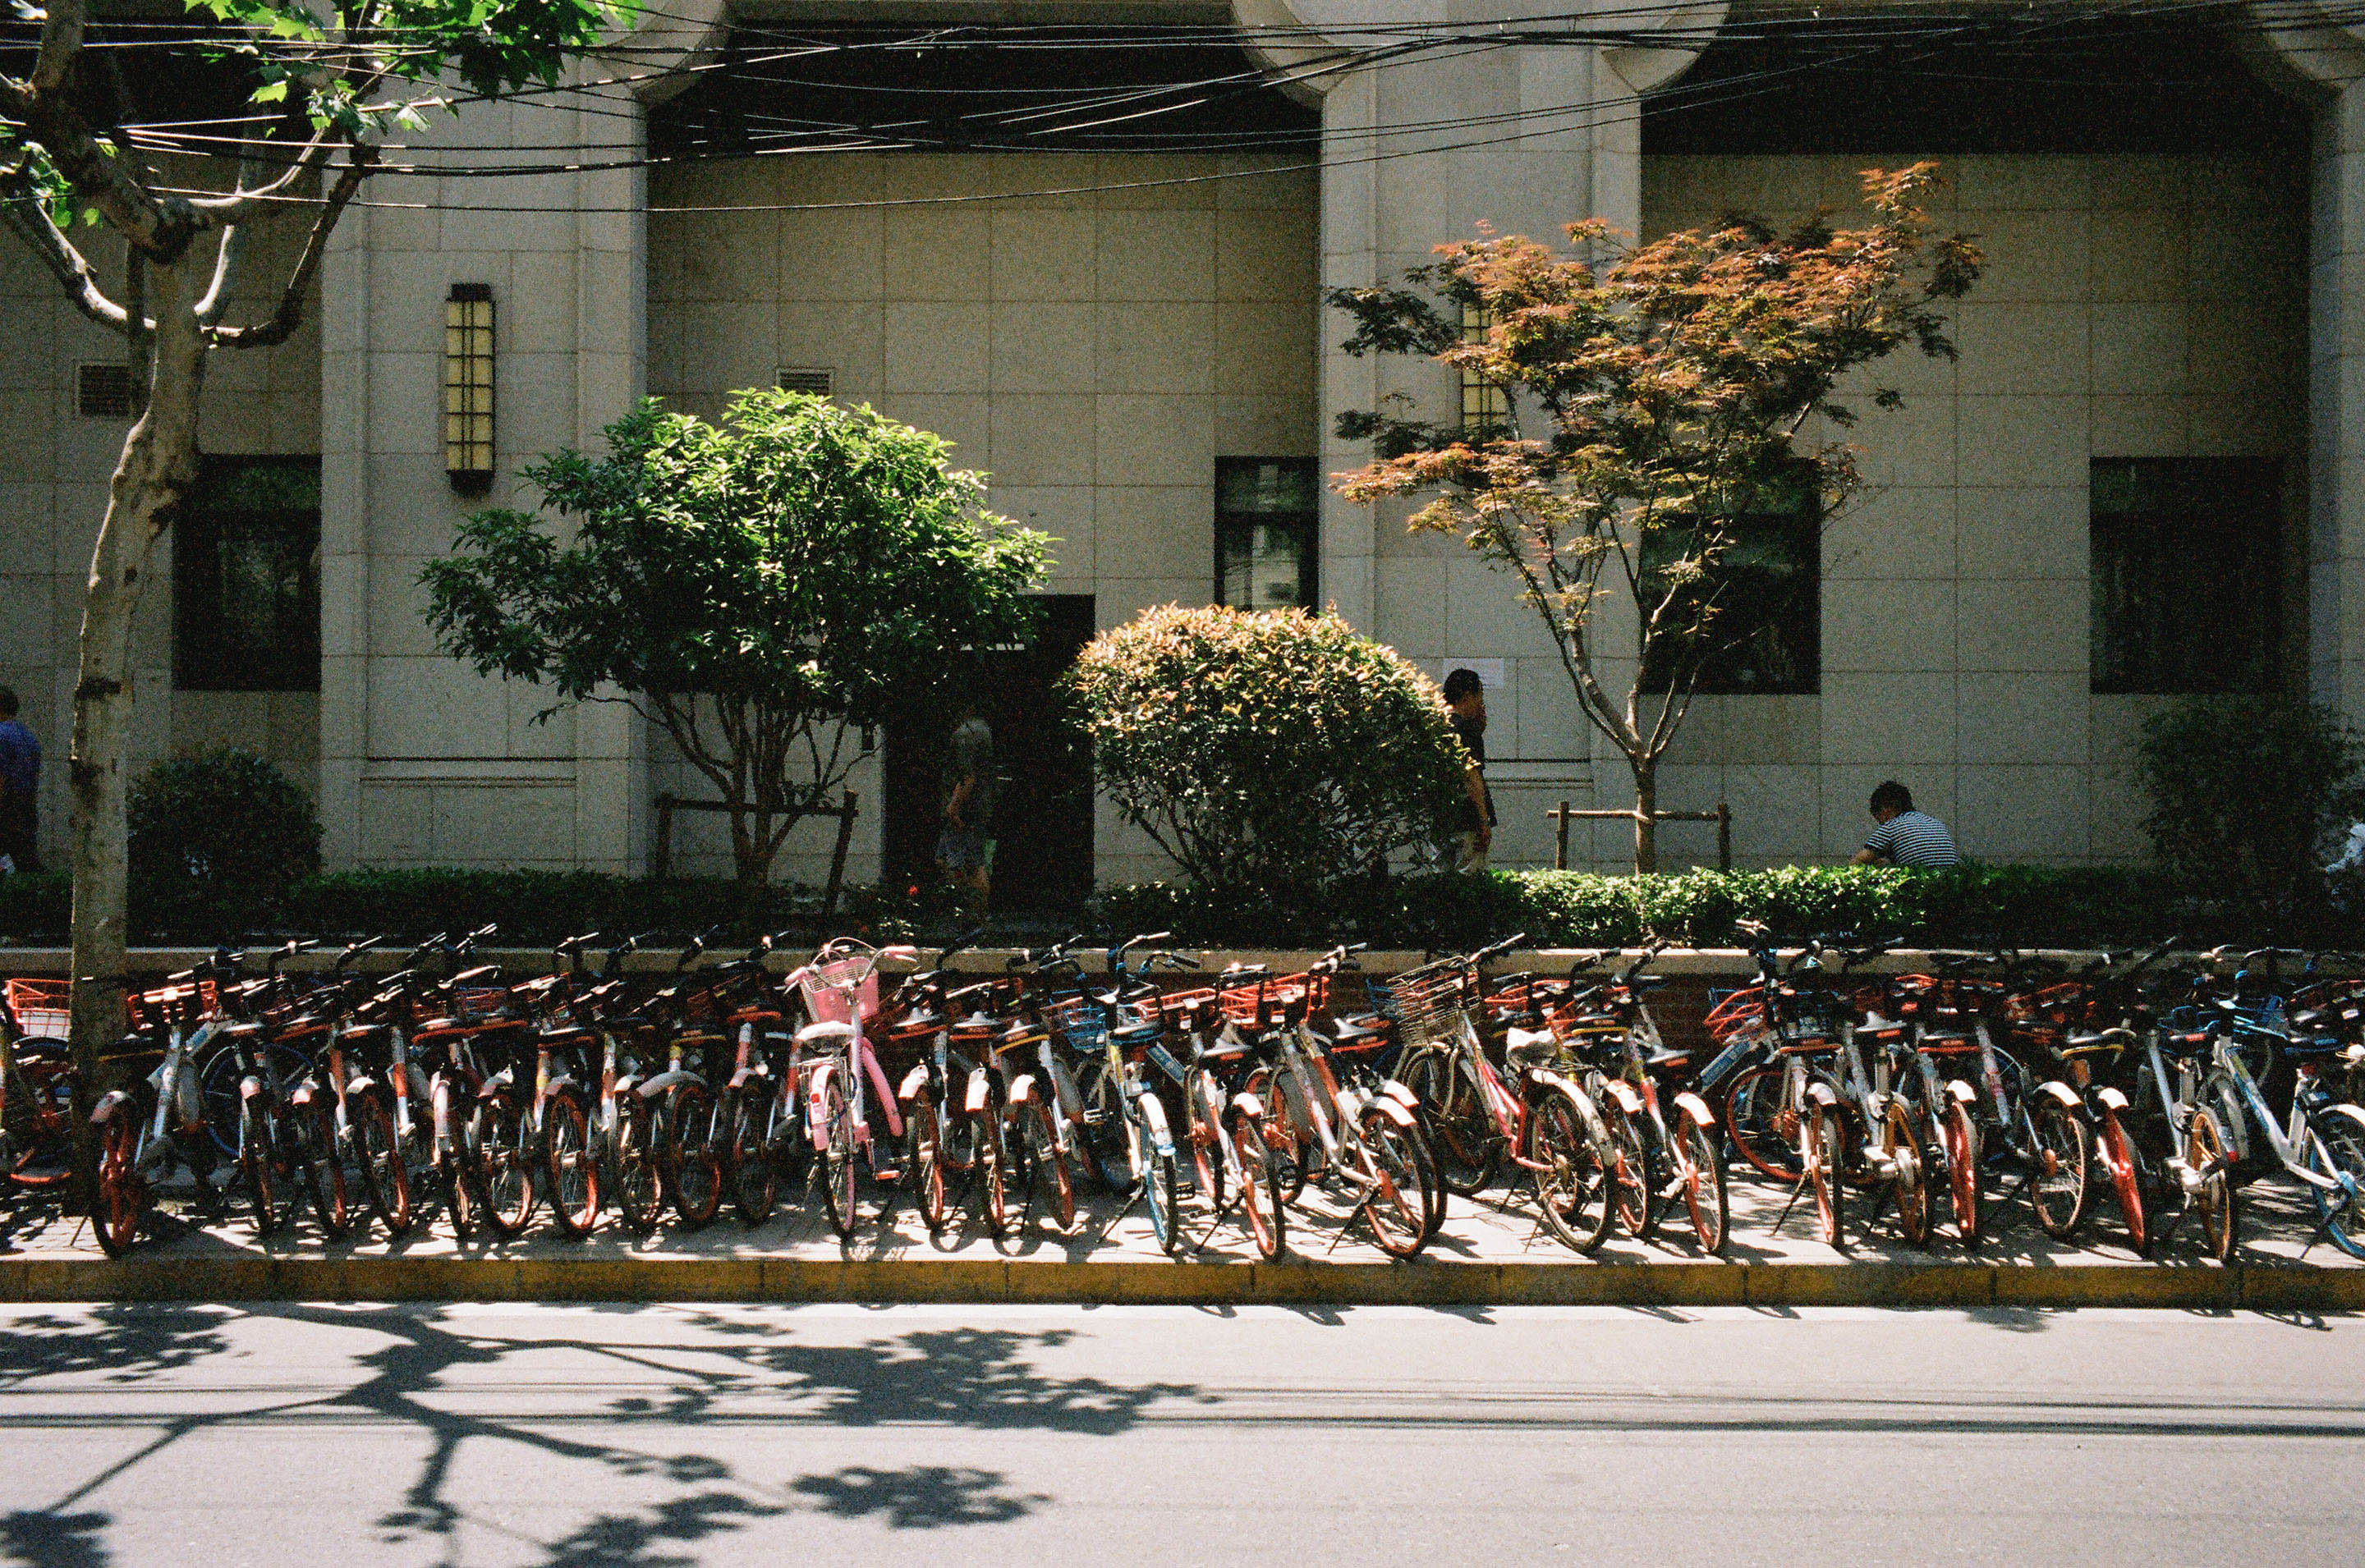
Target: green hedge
[1973, 905]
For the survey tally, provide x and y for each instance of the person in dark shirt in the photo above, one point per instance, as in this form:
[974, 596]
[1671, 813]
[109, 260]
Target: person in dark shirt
[1465, 699]
[965, 847]
[20, 778]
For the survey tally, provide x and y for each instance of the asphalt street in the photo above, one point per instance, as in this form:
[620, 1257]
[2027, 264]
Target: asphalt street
[339, 1436]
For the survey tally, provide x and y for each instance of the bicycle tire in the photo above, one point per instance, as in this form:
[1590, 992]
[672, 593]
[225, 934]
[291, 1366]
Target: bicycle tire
[1396, 1208]
[1571, 1182]
[1288, 1137]
[692, 1163]
[1707, 1196]
[2057, 1188]
[505, 1165]
[1103, 1130]
[640, 1181]
[996, 1176]
[570, 1164]
[1468, 1145]
[2119, 1157]
[922, 1142]
[385, 1175]
[1262, 1215]
[1825, 1155]
[1909, 1183]
[41, 1137]
[1630, 1169]
[270, 1186]
[352, 1162]
[1048, 1166]
[1162, 1176]
[1762, 1124]
[123, 1194]
[754, 1181]
[1204, 1127]
[2336, 1147]
[324, 1174]
[838, 1160]
[2214, 1204]
[1959, 1140]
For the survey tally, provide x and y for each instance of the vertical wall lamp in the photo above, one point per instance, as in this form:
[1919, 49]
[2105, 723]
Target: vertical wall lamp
[468, 387]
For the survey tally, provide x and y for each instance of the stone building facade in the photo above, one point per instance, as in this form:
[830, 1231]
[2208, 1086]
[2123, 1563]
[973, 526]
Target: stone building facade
[1119, 336]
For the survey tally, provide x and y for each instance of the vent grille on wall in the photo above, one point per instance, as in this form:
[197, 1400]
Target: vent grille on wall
[814, 381]
[103, 391]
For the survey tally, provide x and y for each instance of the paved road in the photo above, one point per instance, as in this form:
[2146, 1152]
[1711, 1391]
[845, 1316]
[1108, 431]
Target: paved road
[342, 1435]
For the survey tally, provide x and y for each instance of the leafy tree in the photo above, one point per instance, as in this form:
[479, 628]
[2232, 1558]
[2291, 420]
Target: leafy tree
[1653, 396]
[754, 589]
[336, 73]
[1270, 754]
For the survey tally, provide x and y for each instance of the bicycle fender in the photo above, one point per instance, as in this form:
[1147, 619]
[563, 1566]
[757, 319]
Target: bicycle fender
[360, 1083]
[113, 1101]
[1390, 1110]
[301, 1095]
[1390, 1089]
[2112, 1097]
[1820, 1093]
[2062, 1094]
[493, 1088]
[1153, 1114]
[1251, 1103]
[1688, 1101]
[1962, 1093]
[248, 1086]
[673, 1079]
[739, 1079]
[1623, 1093]
[1022, 1089]
[913, 1082]
[559, 1080]
[628, 1084]
[975, 1102]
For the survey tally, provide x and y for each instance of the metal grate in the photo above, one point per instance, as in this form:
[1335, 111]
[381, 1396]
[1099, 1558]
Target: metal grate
[103, 391]
[805, 380]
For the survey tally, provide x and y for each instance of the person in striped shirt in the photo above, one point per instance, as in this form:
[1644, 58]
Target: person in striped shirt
[1905, 836]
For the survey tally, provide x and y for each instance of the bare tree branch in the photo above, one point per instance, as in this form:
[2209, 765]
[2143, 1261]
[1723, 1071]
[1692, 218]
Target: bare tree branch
[289, 315]
[21, 206]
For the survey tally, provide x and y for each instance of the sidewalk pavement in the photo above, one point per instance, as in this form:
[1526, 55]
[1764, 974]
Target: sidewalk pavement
[1491, 1251]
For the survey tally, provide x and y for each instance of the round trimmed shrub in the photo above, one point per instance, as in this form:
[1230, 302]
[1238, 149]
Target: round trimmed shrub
[227, 827]
[1270, 753]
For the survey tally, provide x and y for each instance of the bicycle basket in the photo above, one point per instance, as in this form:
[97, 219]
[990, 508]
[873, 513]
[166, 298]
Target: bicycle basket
[1266, 1004]
[836, 993]
[157, 1009]
[1079, 1023]
[43, 1007]
[1424, 1003]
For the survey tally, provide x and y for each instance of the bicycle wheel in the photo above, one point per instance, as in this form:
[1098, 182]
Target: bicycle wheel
[385, 1175]
[755, 1182]
[1102, 1131]
[1763, 1125]
[505, 1165]
[1161, 1178]
[1463, 1134]
[1204, 1127]
[2336, 1148]
[571, 1167]
[2206, 1149]
[1397, 1207]
[1261, 1200]
[838, 1158]
[334, 1205]
[1049, 1166]
[1289, 1136]
[271, 1195]
[123, 1194]
[995, 1152]
[693, 1156]
[2057, 1188]
[1701, 1155]
[2118, 1155]
[1825, 1155]
[1630, 1169]
[640, 1183]
[923, 1144]
[1909, 1186]
[1958, 1142]
[1571, 1182]
[352, 1160]
[40, 1118]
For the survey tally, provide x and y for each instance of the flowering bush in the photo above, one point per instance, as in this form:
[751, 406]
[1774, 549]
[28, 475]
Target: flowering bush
[1271, 751]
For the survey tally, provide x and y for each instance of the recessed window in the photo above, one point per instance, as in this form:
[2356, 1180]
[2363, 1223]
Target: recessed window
[1485, 408]
[246, 577]
[103, 391]
[807, 380]
[1764, 598]
[1267, 525]
[2187, 574]
[468, 387]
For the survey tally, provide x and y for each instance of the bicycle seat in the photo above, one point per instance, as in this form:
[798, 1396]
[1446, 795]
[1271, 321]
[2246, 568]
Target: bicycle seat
[829, 1031]
[1947, 1045]
[1362, 1032]
[1529, 1047]
[2092, 1044]
[1135, 1033]
[2185, 1045]
[1886, 1034]
[1816, 1046]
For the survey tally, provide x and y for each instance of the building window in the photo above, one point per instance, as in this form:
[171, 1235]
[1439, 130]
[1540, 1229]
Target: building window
[103, 391]
[468, 387]
[1485, 408]
[246, 577]
[1267, 524]
[2187, 574]
[1764, 635]
[805, 380]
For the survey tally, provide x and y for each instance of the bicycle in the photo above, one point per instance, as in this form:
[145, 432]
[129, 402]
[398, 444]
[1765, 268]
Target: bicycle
[157, 1121]
[36, 1084]
[532, 1139]
[835, 1066]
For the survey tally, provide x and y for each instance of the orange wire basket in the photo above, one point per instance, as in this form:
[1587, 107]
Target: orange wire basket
[43, 1007]
[1266, 1004]
[157, 1009]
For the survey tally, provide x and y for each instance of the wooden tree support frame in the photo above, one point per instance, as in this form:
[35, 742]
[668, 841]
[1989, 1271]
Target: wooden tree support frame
[1565, 813]
[661, 861]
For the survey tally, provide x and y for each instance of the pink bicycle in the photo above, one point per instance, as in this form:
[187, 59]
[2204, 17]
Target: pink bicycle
[841, 993]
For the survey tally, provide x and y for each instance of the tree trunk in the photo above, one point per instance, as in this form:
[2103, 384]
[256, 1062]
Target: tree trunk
[159, 464]
[1646, 822]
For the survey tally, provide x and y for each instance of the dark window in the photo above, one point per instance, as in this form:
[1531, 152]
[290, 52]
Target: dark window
[103, 391]
[2187, 574]
[814, 381]
[246, 577]
[1267, 524]
[1765, 633]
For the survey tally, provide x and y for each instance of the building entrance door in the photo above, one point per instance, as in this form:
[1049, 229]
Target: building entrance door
[1042, 821]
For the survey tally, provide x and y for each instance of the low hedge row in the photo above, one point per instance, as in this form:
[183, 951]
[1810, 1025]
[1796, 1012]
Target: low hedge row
[1972, 905]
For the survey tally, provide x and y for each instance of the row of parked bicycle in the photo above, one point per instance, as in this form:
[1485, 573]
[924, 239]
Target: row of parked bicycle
[1914, 1102]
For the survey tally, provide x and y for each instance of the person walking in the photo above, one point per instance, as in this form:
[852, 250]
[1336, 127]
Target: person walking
[1465, 699]
[1903, 836]
[20, 778]
[964, 850]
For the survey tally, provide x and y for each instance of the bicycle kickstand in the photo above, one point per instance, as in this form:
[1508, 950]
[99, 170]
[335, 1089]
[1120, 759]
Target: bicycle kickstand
[1123, 1209]
[1798, 1187]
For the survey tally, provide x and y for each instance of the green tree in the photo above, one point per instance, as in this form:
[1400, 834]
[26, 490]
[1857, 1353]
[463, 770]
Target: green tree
[327, 79]
[1651, 400]
[1270, 754]
[755, 588]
